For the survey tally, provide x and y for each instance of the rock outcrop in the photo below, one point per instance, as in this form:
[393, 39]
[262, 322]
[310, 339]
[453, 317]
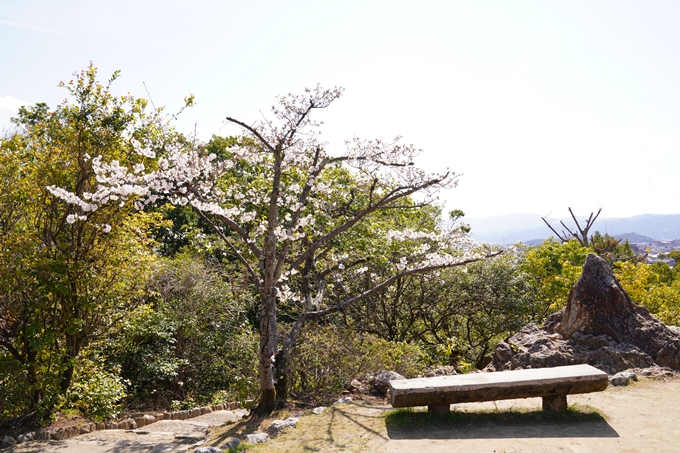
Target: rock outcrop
[599, 326]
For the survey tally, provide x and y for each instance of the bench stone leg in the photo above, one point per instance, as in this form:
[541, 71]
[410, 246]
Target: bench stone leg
[557, 403]
[439, 410]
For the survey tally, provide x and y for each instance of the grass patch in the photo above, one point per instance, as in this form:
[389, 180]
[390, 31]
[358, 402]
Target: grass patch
[409, 417]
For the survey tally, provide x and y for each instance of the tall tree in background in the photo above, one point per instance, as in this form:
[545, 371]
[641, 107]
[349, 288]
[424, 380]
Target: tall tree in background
[282, 204]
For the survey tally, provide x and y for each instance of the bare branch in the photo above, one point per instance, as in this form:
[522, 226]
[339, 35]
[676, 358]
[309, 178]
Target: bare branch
[252, 131]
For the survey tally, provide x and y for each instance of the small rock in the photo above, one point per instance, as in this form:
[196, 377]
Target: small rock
[257, 438]
[379, 382]
[233, 443]
[347, 399]
[21, 438]
[355, 386]
[279, 425]
[7, 441]
[318, 410]
[84, 429]
[623, 378]
[149, 419]
[630, 375]
[29, 436]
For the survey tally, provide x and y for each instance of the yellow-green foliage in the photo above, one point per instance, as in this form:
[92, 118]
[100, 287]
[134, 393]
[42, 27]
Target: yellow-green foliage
[656, 286]
[556, 267]
[66, 276]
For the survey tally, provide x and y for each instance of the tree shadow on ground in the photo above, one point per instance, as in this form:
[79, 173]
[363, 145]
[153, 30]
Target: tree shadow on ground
[239, 429]
[581, 422]
[338, 426]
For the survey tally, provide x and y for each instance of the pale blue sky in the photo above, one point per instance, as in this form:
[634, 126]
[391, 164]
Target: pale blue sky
[542, 105]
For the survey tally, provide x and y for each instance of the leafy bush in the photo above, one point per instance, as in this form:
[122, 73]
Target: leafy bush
[656, 286]
[96, 393]
[193, 341]
[14, 402]
[456, 315]
[327, 358]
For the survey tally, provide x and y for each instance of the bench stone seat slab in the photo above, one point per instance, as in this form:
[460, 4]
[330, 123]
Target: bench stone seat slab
[478, 387]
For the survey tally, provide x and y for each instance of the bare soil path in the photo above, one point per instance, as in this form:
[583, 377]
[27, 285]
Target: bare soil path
[165, 436]
[642, 417]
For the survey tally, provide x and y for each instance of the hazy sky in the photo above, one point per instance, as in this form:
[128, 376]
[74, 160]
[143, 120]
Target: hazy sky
[541, 105]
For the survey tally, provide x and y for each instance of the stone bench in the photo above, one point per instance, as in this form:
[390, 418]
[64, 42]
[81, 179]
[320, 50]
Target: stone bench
[552, 384]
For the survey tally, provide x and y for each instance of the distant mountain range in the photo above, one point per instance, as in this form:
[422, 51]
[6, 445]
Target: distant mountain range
[529, 228]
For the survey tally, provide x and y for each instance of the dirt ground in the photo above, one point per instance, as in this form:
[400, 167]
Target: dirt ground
[641, 417]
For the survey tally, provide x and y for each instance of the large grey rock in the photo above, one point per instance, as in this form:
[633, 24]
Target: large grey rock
[257, 438]
[599, 326]
[598, 305]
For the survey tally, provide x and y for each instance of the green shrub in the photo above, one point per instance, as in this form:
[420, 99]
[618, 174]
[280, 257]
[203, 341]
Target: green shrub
[186, 404]
[327, 358]
[96, 393]
[192, 341]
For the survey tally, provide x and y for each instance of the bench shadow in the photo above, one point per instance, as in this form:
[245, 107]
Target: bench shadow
[579, 423]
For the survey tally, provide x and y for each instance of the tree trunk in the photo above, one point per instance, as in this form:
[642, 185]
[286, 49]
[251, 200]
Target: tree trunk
[282, 372]
[268, 348]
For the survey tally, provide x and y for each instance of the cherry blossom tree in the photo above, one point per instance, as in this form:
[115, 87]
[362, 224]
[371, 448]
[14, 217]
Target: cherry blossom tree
[281, 201]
